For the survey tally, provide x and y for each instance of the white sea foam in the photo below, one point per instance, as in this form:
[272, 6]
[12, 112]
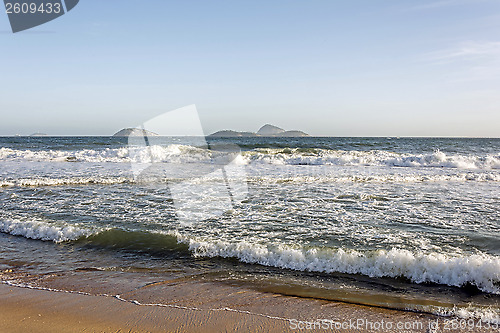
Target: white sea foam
[176, 153]
[373, 157]
[380, 178]
[85, 155]
[485, 314]
[482, 270]
[43, 230]
[5, 183]
[46, 181]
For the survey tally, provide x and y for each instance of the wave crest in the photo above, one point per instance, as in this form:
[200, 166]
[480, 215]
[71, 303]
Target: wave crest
[176, 153]
[371, 158]
[481, 270]
[43, 230]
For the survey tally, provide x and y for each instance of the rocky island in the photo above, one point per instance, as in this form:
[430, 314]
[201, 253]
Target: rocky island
[134, 132]
[266, 131]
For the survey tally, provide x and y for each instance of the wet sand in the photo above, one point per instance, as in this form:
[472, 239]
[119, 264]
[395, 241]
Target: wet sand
[205, 307]
[27, 310]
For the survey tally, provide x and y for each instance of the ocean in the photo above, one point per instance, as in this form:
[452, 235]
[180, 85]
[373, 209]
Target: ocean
[403, 223]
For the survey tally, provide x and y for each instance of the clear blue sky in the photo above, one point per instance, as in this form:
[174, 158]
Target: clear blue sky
[334, 68]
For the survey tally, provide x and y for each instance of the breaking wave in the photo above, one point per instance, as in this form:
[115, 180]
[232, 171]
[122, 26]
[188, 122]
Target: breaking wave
[85, 155]
[479, 270]
[482, 271]
[371, 158]
[176, 153]
[43, 230]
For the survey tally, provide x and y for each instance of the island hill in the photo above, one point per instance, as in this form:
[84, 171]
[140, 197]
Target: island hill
[134, 132]
[266, 130]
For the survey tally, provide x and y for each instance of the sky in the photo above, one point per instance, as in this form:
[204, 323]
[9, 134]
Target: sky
[329, 68]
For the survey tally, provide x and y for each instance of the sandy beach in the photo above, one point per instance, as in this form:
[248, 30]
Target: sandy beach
[25, 310]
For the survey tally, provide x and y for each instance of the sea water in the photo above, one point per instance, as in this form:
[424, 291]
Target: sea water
[406, 223]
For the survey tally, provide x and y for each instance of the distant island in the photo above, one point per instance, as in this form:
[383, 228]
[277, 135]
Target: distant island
[266, 130]
[134, 132]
